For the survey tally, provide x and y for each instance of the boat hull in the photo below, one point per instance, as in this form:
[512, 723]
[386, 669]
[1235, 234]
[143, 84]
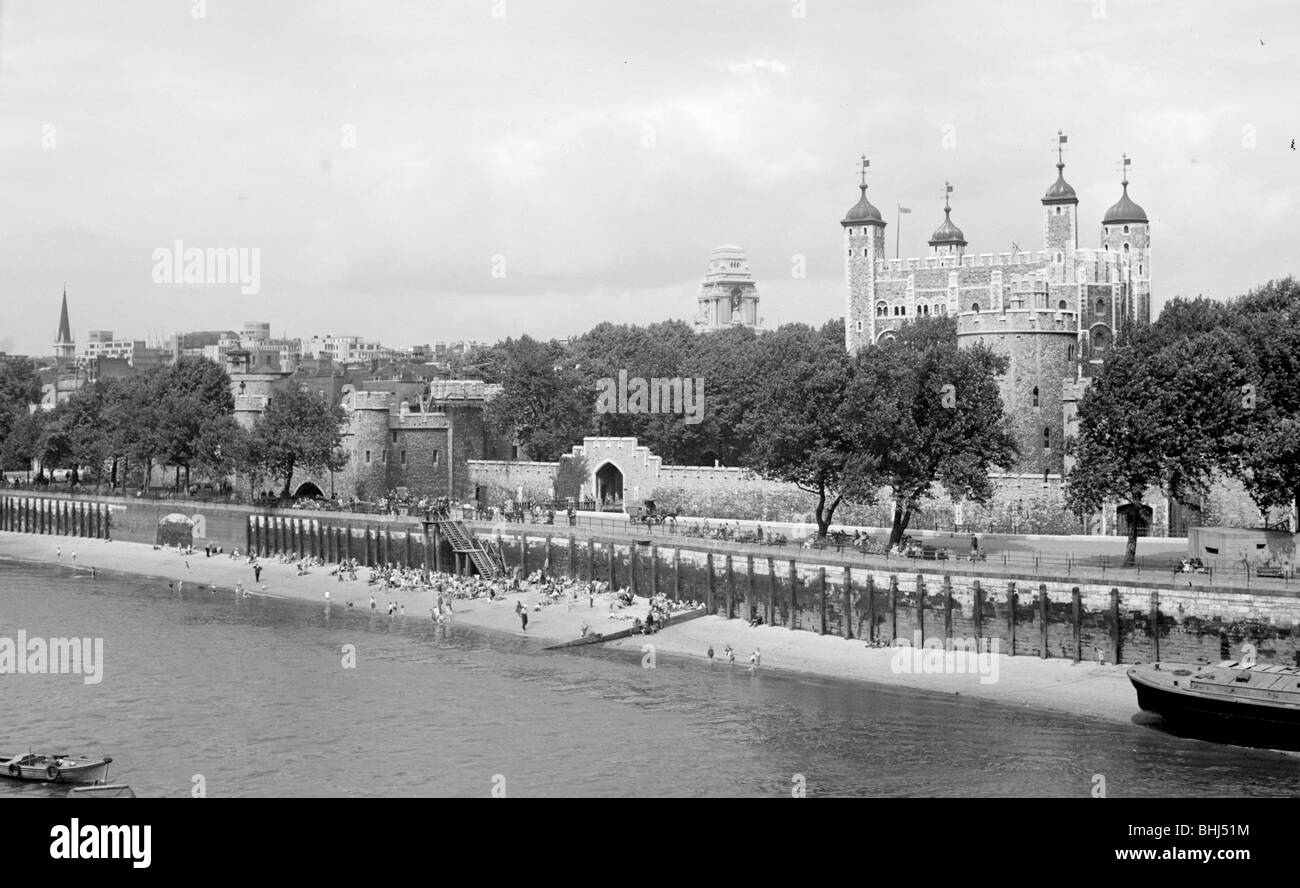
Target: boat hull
[90, 772]
[1214, 715]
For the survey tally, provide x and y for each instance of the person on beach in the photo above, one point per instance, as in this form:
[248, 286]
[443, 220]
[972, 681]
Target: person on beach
[710, 655]
[758, 657]
[731, 655]
[753, 661]
[74, 557]
[257, 573]
[58, 552]
[523, 619]
[372, 603]
[327, 595]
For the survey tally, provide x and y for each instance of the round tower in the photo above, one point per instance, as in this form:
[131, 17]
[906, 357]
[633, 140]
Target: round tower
[864, 242]
[366, 442]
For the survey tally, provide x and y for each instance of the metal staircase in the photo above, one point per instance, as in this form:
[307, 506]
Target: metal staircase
[487, 558]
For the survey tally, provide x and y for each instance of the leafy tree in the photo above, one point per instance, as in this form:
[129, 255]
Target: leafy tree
[912, 433]
[545, 400]
[798, 433]
[570, 475]
[297, 430]
[19, 388]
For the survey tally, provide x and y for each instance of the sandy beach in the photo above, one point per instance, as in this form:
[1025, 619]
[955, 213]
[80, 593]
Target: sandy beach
[1086, 689]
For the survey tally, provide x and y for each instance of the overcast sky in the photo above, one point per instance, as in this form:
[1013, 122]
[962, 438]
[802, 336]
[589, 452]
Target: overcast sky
[604, 148]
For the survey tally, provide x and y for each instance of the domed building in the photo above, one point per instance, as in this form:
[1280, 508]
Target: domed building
[728, 296]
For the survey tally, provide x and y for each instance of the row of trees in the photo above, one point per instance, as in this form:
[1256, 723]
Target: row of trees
[1211, 389]
[181, 417]
[789, 404]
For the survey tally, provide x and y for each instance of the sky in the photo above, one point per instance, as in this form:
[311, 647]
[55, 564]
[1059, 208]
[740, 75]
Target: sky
[413, 172]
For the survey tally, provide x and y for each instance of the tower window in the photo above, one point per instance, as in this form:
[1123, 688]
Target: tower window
[857, 328]
[1069, 352]
[850, 251]
[1058, 211]
[1101, 306]
[1126, 229]
[367, 457]
[394, 437]
[1062, 305]
[941, 308]
[403, 457]
[882, 310]
[1105, 229]
[1125, 246]
[1035, 396]
[435, 456]
[1047, 439]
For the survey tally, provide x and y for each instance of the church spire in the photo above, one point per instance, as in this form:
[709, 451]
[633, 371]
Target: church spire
[65, 331]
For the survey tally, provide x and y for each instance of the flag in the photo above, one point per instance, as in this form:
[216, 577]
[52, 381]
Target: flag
[904, 210]
[1064, 138]
[1127, 161]
[949, 188]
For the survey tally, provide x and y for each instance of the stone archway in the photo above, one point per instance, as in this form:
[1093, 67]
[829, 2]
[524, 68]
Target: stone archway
[609, 487]
[310, 490]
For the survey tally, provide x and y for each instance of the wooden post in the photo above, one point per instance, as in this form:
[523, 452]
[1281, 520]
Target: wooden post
[1011, 616]
[610, 554]
[523, 553]
[947, 606]
[1077, 608]
[632, 559]
[708, 593]
[1042, 620]
[977, 613]
[821, 598]
[751, 606]
[771, 590]
[871, 607]
[1155, 626]
[546, 565]
[848, 602]
[893, 608]
[654, 571]
[573, 557]
[591, 559]
[920, 606]
[794, 594]
[731, 589]
[1117, 648]
[677, 574]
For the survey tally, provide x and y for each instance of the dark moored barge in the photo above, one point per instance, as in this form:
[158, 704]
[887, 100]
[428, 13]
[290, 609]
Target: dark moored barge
[1253, 704]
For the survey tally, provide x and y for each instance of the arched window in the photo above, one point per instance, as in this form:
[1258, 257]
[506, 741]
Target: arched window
[850, 252]
[858, 327]
[1069, 352]
[1047, 439]
[1099, 339]
[941, 308]
[1035, 396]
[1058, 211]
[1125, 246]
[1062, 305]
[975, 307]
[882, 309]
[922, 308]
[1105, 229]
[1101, 306]
[1126, 229]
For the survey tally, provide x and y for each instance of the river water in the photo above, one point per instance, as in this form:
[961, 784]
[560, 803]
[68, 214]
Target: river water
[250, 697]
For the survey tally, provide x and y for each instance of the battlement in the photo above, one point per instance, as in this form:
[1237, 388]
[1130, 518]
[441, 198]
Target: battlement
[970, 260]
[414, 421]
[368, 401]
[1019, 320]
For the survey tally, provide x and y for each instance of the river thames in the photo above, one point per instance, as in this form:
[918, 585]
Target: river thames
[250, 697]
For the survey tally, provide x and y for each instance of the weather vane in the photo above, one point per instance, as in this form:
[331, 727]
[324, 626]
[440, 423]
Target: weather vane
[865, 163]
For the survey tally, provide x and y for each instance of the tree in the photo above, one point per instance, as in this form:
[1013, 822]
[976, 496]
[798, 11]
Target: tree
[20, 387]
[1155, 417]
[544, 398]
[297, 430]
[570, 475]
[910, 431]
[796, 427]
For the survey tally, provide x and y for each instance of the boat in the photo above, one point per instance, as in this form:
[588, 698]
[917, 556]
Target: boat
[1253, 704]
[55, 768]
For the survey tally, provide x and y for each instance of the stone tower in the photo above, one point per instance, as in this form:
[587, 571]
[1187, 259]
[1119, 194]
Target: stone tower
[1125, 230]
[864, 239]
[728, 296]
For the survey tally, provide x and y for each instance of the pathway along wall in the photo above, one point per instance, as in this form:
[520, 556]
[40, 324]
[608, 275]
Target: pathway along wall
[1042, 617]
